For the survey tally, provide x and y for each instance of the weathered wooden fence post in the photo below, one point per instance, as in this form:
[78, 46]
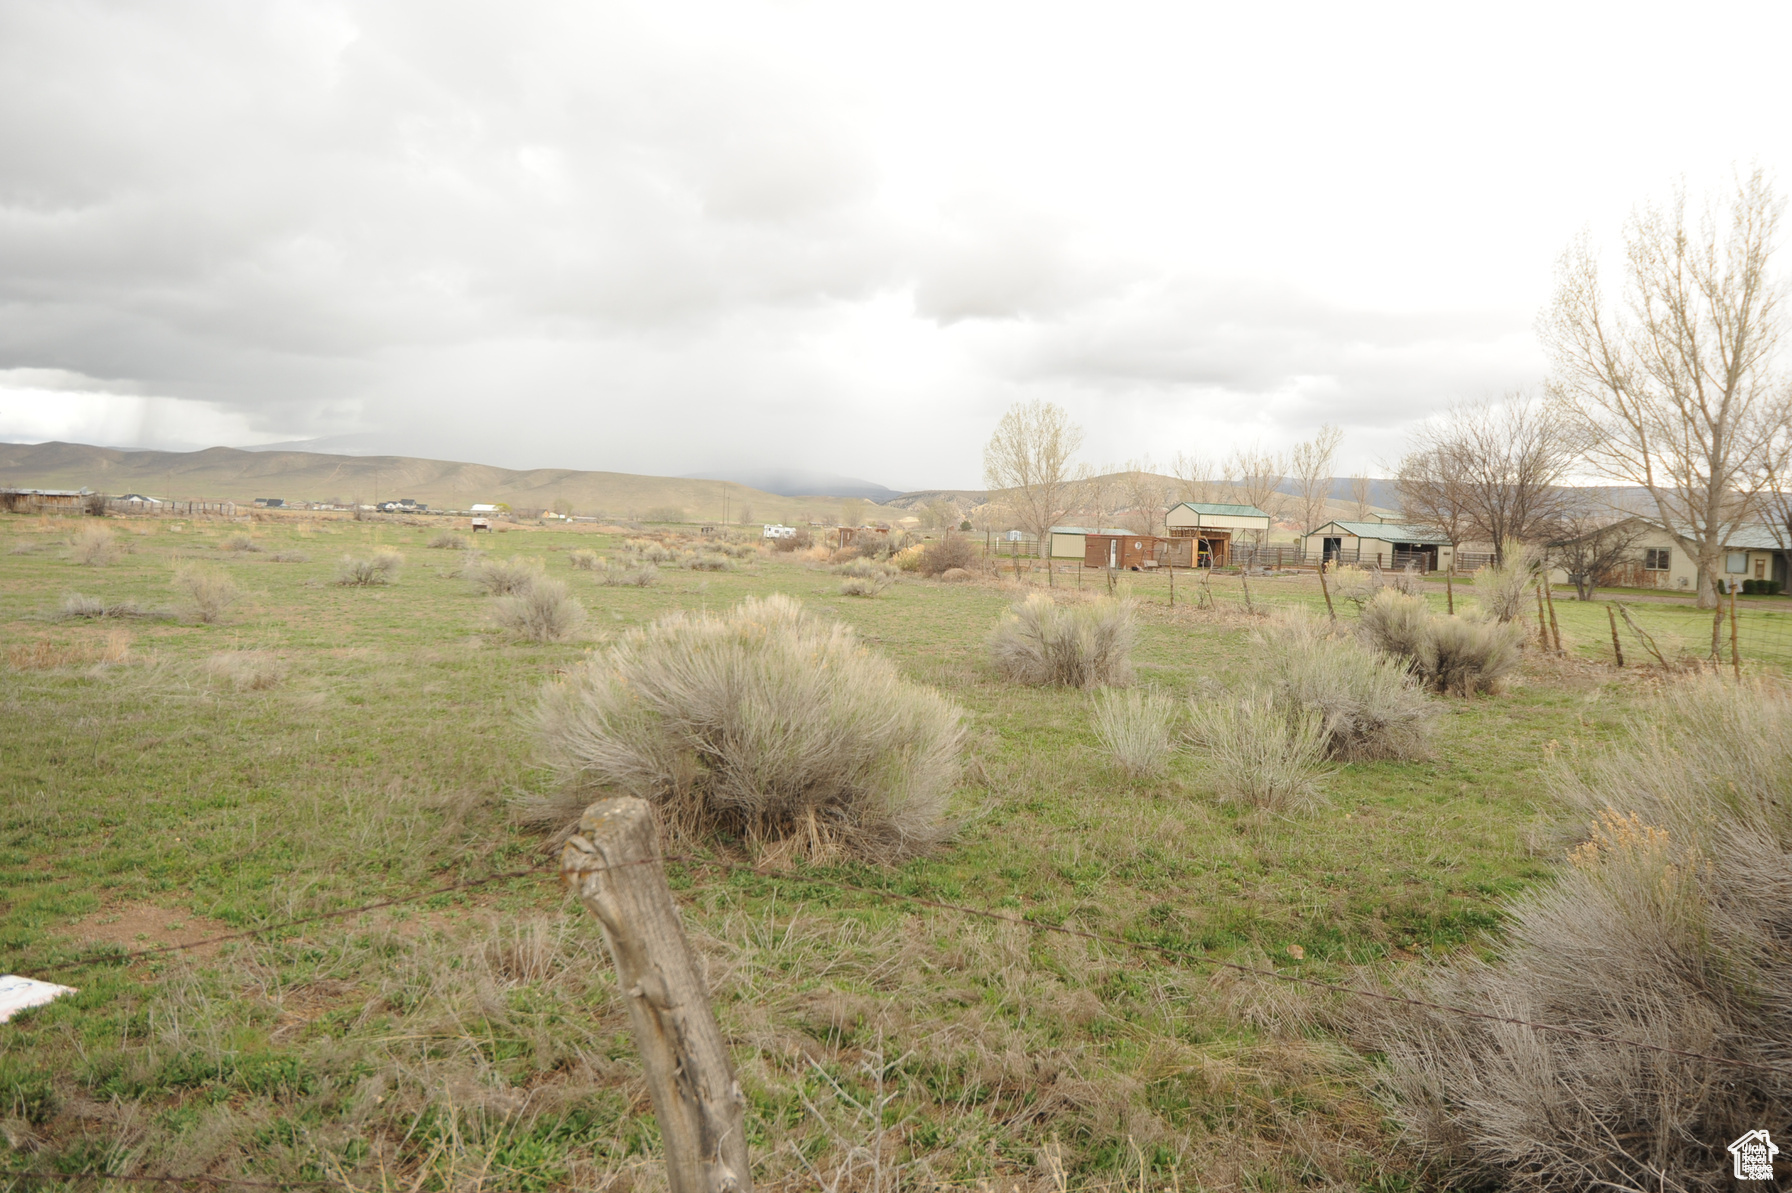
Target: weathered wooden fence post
[614, 866]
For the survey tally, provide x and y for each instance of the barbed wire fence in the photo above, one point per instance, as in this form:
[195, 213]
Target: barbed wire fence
[650, 871]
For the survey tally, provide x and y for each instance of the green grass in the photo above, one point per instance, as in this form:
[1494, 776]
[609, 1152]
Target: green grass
[481, 1033]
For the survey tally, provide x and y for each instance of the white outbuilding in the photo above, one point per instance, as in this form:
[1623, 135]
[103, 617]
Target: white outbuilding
[1381, 544]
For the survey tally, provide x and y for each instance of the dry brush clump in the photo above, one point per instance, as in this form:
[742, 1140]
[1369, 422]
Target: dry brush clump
[1136, 730]
[1369, 707]
[544, 611]
[290, 557]
[615, 575]
[447, 540]
[1038, 641]
[764, 724]
[95, 546]
[865, 586]
[1501, 588]
[943, 554]
[239, 542]
[77, 606]
[210, 594]
[583, 560]
[1461, 655]
[500, 577]
[1666, 925]
[1260, 751]
[382, 567]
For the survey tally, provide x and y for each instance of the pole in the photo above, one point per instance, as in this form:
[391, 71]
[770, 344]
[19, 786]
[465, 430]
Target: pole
[1735, 655]
[1549, 598]
[1450, 590]
[1172, 587]
[1617, 649]
[1542, 622]
[613, 865]
[1327, 590]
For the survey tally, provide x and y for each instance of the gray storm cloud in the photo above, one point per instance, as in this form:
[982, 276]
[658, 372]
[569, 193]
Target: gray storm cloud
[661, 238]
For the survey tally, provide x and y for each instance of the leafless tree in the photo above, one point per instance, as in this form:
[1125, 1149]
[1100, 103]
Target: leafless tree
[1258, 475]
[1680, 390]
[1148, 495]
[1490, 472]
[1198, 478]
[1595, 543]
[1362, 495]
[1310, 464]
[1098, 495]
[1030, 458]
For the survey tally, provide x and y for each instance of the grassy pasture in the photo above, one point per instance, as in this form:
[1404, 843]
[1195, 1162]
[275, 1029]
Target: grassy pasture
[476, 1041]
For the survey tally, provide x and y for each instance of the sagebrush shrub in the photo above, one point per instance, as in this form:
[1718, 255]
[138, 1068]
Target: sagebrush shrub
[95, 546]
[1369, 706]
[78, 605]
[615, 575]
[501, 577]
[1039, 641]
[583, 561]
[1501, 588]
[1261, 751]
[945, 553]
[239, 542]
[290, 557]
[870, 585]
[1135, 728]
[382, 567]
[706, 561]
[1461, 655]
[764, 723]
[209, 593]
[446, 540]
[1665, 925]
[544, 611]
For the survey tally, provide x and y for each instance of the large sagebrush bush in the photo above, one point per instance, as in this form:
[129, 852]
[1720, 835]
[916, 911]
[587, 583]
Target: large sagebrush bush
[1368, 705]
[239, 541]
[1039, 641]
[209, 594]
[1667, 924]
[1136, 729]
[446, 540]
[382, 567]
[763, 724]
[543, 611]
[95, 546]
[501, 577]
[945, 553]
[1260, 751]
[1461, 655]
[1501, 588]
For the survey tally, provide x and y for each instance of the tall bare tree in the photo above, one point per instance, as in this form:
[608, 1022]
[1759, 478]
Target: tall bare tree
[1679, 390]
[1490, 472]
[1148, 495]
[1595, 543]
[1197, 478]
[1258, 474]
[1031, 459]
[1362, 498]
[1310, 464]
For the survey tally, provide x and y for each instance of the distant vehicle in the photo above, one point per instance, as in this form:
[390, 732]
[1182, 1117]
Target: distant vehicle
[773, 531]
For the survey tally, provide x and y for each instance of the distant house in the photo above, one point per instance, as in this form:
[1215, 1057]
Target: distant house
[1657, 560]
[51, 501]
[485, 509]
[269, 503]
[1381, 544]
[1072, 542]
[135, 502]
[774, 531]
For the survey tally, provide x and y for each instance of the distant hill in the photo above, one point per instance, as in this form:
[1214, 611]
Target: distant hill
[794, 482]
[229, 473]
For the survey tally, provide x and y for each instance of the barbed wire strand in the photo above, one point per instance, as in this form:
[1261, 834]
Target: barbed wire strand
[216, 1182]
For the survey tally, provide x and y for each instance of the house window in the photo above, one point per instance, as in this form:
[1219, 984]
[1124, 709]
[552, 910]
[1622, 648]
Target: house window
[1657, 559]
[1736, 562]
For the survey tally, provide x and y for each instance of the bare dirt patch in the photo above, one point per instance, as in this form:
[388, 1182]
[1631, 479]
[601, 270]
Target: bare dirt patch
[135, 926]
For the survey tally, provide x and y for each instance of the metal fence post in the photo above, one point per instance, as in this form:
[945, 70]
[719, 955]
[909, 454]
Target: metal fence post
[614, 866]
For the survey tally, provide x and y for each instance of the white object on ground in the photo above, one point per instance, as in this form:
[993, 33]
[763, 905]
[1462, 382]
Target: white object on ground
[17, 993]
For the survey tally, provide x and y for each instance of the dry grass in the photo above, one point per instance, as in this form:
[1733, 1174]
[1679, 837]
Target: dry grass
[447, 540]
[1261, 752]
[583, 561]
[1136, 729]
[382, 567]
[1666, 925]
[239, 542]
[616, 576]
[290, 557]
[46, 654]
[1369, 707]
[872, 584]
[1039, 641]
[210, 594]
[764, 724]
[545, 611]
[95, 546]
[245, 670]
[76, 606]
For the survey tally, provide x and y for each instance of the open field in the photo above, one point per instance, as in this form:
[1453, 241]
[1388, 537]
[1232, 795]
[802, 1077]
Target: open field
[318, 747]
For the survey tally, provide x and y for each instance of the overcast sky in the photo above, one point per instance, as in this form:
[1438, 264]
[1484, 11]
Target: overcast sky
[672, 237]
